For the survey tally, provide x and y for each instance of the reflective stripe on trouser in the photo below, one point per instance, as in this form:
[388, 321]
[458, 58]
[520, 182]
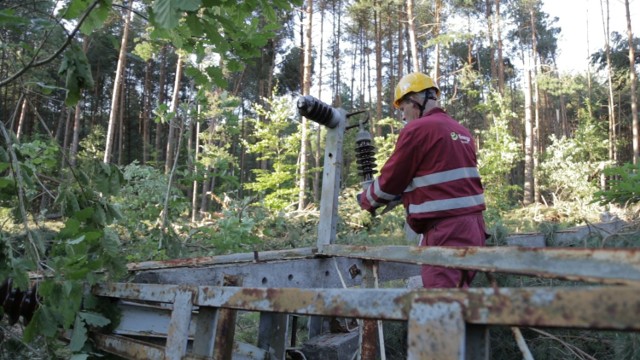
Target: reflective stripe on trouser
[464, 230]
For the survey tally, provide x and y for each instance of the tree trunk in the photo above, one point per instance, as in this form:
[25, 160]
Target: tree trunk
[162, 84]
[436, 33]
[146, 112]
[612, 112]
[632, 81]
[67, 131]
[73, 151]
[378, 33]
[196, 153]
[336, 55]
[306, 88]
[528, 141]
[23, 116]
[412, 37]
[121, 123]
[536, 102]
[117, 82]
[175, 119]
[317, 155]
[492, 60]
[500, 60]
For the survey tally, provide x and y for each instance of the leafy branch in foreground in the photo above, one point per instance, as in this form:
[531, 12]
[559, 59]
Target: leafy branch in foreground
[85, 251]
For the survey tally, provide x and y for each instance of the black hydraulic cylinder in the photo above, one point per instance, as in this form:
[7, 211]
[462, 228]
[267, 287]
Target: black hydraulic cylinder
[315, 110]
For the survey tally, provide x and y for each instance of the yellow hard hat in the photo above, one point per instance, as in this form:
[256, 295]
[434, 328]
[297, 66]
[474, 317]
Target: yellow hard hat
[414, 82]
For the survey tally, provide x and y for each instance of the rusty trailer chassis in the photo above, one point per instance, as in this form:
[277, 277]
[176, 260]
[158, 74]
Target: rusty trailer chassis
[186, 308]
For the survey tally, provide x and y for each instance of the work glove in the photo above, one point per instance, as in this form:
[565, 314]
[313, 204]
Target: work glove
[392, 204]
[359, 199]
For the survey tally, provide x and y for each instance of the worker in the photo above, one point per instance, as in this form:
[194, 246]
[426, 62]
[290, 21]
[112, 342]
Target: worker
[433, 170]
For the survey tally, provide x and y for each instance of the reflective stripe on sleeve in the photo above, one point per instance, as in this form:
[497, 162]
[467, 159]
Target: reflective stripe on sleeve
[447, 204]
[442, 177]
[379, 194]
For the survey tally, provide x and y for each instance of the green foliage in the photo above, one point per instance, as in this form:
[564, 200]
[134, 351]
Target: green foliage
[83, 252]
[277, 141]
[141, 200]
[77, 72]
[168, 12]
[571, 167]
[624, 185]
[498, 155]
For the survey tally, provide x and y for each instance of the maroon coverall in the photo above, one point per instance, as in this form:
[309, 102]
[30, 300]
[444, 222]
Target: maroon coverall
[434, 168]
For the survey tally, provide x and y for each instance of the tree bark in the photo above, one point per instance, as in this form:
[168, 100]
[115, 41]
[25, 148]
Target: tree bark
[317, 155]
[500, 59]
[632, 83]
[23, 116]
[337, 97]
[379, 65]
[536, 101]
[306, 88]
[412, 37]
[436, 33]
[528, 141]
[162, 84]
[492, 59]
[175, 119]
[612, 112]
[122, 61]
[77, 126]
[146, 112]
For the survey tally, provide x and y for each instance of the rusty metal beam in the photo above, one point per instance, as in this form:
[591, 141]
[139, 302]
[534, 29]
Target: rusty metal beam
[128, 348]
[601, 307]
[611, 266]
[436, 331]
[256, 256]
[178, 333]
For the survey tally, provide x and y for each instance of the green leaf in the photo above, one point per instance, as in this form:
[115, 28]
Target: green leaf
[76, 241]
[166, 13]
[4, 182]
[193, 22]
[189, 5]
[79, 336]
[42, 323]
[94, 319]
[79, 357]
[77, 71]
[97, 17]
[70, 229]
[99, 216]
[75, 8]
[84, 214]
[7, 17]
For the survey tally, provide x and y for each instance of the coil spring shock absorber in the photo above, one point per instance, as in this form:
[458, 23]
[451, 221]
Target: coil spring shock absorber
[16, 302]
[365, 155]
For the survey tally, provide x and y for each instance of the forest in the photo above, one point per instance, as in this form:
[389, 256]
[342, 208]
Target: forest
[152, 130]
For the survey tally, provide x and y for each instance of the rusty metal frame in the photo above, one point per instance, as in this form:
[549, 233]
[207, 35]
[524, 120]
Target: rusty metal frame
[442, 324]
[437, 318]
[596, 307]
